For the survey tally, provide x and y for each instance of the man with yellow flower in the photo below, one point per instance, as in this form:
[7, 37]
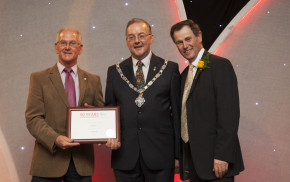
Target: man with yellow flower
[210, 149]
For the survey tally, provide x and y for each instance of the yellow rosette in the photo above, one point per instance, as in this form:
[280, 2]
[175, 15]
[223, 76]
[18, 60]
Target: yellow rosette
[200, 64]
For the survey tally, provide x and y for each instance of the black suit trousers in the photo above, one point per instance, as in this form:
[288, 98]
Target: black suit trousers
[142, 173]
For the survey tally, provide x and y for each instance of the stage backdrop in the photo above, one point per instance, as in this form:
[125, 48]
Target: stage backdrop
[257, 48]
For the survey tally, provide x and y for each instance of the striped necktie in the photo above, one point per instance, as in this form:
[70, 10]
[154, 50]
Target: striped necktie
[187, 87]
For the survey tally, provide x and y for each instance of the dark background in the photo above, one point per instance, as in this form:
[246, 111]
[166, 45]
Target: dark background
[212, 16]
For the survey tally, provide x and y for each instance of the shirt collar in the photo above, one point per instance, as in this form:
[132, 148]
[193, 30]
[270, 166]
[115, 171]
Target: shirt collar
[61, 67]
[145, 61]
[199, 56]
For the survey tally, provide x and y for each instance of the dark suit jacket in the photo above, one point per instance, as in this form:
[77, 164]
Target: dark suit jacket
[153, 129]
[46, 114]
[213, 118]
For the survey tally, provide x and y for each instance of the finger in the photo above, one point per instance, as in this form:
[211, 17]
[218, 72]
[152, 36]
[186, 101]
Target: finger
[217, 171]
[223, 170]
[68, 140]
[74, 144]
[114, 145]
[68, 145]
[109, 143]
[218, 174]
[227, 168]
[87, 105]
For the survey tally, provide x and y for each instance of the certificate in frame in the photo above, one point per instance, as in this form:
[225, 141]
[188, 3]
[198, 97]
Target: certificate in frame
[93, 124]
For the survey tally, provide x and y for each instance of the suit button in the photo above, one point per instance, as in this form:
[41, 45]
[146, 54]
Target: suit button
[139, 112]
[140, 128]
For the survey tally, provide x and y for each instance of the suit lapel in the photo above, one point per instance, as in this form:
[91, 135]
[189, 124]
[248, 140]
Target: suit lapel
[127, 69]
[154, 68]
[57, 83]
[198, 71]
[197, 74]
[183, 79]
[83, 85]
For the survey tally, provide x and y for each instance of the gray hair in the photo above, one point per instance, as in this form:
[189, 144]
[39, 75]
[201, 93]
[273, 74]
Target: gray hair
[79, 35]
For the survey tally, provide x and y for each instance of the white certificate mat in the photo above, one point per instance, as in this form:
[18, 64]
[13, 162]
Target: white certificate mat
[93, 124]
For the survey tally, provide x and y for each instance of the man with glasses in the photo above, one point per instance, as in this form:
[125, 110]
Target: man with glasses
[147, 89]
[56, 157]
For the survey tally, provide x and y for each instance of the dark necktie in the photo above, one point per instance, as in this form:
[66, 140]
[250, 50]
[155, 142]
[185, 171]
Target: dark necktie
[140, 76]
[70, 88]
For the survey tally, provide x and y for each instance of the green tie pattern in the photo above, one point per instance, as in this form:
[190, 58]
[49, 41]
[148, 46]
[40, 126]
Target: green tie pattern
[140, 76]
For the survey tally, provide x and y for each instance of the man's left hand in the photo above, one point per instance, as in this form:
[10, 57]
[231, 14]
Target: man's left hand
[220, 168]
[113, 144]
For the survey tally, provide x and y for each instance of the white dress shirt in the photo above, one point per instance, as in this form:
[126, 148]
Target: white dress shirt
[195, 62]
[145, 68]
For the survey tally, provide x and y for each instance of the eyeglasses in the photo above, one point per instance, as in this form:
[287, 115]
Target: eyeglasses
[71, 43]
[141, 37]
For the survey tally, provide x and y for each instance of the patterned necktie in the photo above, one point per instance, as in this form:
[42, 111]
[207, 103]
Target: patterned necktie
[140, 76]
[70, 88]
[187, 87]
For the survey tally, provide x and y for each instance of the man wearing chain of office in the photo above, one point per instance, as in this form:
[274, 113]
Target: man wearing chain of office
[146, 87]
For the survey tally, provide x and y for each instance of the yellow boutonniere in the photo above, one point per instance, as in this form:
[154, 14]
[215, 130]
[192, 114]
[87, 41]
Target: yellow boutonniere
[200, 64]
[203, 63]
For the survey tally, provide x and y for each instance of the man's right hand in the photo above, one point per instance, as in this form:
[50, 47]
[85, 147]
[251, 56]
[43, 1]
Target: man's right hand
[64, 142]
